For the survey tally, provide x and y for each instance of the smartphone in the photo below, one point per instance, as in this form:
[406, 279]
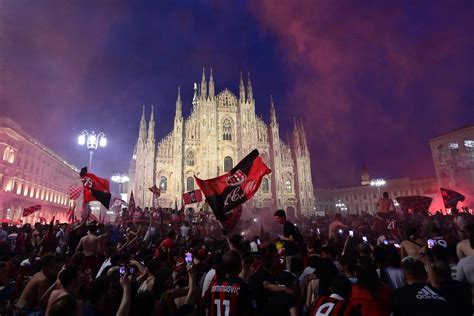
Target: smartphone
[258, 242]
[397, 246]
[319, 232]
[340, 231]
[431, 243]
[131, 269]
[385, 242]
[364, 238]
[351, 233]
[188, 257]
[122, 270]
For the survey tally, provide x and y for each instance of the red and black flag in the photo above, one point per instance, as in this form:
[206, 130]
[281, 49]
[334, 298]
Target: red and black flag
[451, 198]
[30, 210]
[192, 197]
[416, 203]
[155, 190]
[95, 188]
[235, 187]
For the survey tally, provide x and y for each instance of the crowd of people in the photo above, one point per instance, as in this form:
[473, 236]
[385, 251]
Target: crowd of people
[380, 264]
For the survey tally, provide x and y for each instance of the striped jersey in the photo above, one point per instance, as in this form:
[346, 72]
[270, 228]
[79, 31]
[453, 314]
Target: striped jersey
[329, 306]
[229, 297]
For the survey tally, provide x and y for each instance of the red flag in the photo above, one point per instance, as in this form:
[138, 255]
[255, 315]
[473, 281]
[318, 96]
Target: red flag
[155, 190]
[415, 203]
[70, 214]
[234, 187]
[451, 198]
[95, 188]
[30, 210]
[75, 192]
[232, 218]
[192, 197]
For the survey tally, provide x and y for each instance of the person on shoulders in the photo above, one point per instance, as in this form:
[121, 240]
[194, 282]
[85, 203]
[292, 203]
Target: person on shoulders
[290, 237]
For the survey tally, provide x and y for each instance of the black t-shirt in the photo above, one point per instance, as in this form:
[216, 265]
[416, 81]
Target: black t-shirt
[257, 290]
[229, 297]
[458, 295]
[421, 299]
[289, 229]
[280, 304]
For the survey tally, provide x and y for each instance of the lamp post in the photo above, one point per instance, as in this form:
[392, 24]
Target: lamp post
[377, 183]
[92, 141]
[120, 178]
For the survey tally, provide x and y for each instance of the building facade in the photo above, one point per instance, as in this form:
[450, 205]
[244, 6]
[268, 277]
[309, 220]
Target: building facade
[363, 198]
[31, 174]
[221, 130]
[453, 159]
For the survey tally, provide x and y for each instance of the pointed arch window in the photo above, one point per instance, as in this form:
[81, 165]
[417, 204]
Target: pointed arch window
[265, 185]
[190, 158]
[228, 163]
[227, 130]
[288, 185]
[163, 183]
[190, 184]
[9, 155]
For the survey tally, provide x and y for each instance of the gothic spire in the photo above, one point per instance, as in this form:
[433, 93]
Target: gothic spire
[211, 85]
[142, 133]
[195, 97]
[151, 126]
[241, 89]
[272, 111]
[249, 89]
[303, 135]
[178, 104]
[296, 134]
[203, 84]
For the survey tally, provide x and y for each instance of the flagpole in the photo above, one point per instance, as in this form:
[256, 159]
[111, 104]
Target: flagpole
[225, 235]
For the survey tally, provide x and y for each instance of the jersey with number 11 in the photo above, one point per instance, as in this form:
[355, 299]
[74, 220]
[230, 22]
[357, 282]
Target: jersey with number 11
[229, 297]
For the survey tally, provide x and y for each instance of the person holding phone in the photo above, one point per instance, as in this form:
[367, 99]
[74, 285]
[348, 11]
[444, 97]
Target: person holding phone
[290, 237]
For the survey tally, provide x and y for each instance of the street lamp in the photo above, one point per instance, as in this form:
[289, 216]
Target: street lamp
[92, 141]
[377, 183]
[120, 178]
[341, 206]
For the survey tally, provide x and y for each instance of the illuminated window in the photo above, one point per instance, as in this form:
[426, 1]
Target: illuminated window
[288, 186]
[9, 155]
[265, 186]
[190, 158]
[469, 145]
[163, 183]
[227, 130]
[190, 184]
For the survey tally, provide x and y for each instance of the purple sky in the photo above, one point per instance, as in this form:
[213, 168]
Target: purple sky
[373, 80]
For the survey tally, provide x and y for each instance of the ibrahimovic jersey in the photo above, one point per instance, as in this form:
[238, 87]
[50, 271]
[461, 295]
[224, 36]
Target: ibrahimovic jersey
[229, 297]
[329, 306]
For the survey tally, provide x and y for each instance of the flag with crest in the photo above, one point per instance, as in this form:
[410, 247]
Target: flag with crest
[451, 198]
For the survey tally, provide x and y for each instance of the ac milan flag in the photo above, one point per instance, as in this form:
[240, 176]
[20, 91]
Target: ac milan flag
[75, 192]
[30, 210]
[232, 218]
[155, 190]
[235, 187]
[192, 197]
[95, 188]
[415, 203]
[451, 198]
[131, 202]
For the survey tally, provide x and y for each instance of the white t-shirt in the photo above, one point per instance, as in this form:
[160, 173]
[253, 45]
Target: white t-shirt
[465, 270]
[184, 231]
[207, 281]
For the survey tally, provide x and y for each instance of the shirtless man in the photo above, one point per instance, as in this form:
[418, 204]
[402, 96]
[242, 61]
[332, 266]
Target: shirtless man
[412, 245]
[89, 244]
[69, 284]
[39, 283]
[335, 225]
[464, 248]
